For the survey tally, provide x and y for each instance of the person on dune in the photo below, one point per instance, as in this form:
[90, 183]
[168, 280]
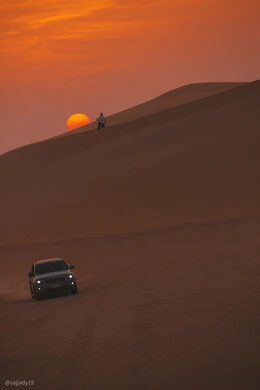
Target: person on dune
[101, 121]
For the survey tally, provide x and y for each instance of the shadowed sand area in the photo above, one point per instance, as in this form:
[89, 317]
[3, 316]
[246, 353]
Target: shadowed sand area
[161, 216]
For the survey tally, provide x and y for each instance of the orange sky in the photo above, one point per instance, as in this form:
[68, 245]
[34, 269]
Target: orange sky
[61, 57]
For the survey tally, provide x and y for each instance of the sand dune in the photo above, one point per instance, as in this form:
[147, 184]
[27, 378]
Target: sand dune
[161, 216]
[195, 162]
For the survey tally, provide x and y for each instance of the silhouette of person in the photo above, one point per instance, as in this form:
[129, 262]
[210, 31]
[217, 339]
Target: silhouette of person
[101, 121]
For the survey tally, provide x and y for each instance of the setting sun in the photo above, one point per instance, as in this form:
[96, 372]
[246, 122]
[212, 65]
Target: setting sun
[77, 120]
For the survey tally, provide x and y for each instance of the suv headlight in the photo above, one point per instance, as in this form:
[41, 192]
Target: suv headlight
[70, 276]
[38, 281]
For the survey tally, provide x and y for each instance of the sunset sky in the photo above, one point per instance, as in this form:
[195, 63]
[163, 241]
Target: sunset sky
[64, 57]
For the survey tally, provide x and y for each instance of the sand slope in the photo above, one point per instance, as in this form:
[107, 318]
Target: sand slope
[173, 304]
[195, 162]
[176, 308]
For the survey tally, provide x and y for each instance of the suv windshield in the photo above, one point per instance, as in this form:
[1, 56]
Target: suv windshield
[50, 266]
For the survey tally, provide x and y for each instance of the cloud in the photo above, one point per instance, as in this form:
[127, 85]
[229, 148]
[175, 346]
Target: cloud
[33, 15]
[40, 34]
[48, 31]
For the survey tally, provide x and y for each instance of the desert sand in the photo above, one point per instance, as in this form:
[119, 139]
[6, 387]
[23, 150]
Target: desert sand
[160, 214]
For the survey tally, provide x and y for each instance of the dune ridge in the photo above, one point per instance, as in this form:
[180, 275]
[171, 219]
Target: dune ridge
[179, 110]
[173, 98]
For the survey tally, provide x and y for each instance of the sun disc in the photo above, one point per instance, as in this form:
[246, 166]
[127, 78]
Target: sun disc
[77, 120]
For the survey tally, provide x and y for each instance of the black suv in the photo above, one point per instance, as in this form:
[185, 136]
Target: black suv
[51, 276]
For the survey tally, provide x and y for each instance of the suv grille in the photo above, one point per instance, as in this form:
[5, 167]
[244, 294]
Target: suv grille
[57, 279]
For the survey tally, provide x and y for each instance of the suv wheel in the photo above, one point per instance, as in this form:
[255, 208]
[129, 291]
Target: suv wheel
[32, 292]
[38, 296]
[74, 289]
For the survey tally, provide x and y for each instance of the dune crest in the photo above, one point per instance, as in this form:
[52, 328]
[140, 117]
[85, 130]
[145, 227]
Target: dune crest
[176, 97]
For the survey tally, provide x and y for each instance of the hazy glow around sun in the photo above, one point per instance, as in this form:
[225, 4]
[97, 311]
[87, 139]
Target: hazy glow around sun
[77, 120]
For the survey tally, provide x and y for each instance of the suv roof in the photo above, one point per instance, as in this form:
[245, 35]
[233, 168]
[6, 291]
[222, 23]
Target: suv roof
[48, 260]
